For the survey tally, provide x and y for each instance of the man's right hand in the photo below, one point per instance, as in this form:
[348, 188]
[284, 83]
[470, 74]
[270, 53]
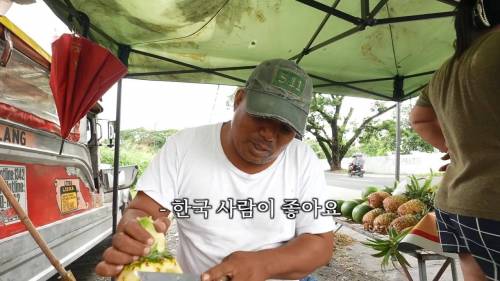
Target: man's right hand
[128, 244]
[131, 241]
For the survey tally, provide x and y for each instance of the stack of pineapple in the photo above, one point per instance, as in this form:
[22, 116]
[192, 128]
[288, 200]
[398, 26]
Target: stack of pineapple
[399, 212]
[395, 213]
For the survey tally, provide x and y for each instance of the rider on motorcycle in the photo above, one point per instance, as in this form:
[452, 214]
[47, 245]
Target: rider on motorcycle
[357, 164]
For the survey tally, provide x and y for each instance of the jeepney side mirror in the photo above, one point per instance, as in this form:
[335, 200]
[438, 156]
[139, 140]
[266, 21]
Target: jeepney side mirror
[111, 133]
[6, 50]
[98, 131]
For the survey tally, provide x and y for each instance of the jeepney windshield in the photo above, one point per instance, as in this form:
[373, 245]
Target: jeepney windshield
[25, 85]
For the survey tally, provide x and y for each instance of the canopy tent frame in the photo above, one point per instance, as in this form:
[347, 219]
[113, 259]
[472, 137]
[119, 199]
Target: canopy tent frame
[366, 19]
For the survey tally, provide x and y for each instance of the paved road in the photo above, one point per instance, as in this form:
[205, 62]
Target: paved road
[341, 186]
[357, 183]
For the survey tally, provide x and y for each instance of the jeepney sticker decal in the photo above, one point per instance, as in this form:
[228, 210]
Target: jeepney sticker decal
[15, 177]
[16, 136]
[69, 197]
[74, 171]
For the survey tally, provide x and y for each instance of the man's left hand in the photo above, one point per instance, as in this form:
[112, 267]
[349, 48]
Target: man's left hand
[238, 266]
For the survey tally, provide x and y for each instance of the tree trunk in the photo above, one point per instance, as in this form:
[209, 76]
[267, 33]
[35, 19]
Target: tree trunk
[336, 159]
[335, 165]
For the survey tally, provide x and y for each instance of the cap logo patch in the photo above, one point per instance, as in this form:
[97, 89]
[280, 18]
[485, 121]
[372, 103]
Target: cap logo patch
[289, 81]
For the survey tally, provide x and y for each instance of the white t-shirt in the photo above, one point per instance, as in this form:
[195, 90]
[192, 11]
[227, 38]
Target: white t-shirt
[192, 166]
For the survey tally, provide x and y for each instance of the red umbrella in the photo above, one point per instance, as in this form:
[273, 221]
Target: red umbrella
[81, 72]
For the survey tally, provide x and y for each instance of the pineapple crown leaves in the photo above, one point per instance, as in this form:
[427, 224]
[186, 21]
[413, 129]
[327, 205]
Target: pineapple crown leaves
[391, 189]
[388, 248]
[424, 192]
[158, 249]
[424, 212]
[427, 192]
[157, 256]
[413, 187]
[428, 183]
[153, 257]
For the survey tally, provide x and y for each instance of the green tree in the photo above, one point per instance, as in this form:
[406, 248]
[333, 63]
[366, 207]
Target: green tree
[153, 140]
[316, 148]
[137, 147]
[128, 156]
[379, 138]
[411, 141]
[331, 129]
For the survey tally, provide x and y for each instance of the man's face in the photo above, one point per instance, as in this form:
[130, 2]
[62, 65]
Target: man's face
[257, 140]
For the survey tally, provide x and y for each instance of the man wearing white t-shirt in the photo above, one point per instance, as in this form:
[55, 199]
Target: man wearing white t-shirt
[247, 196]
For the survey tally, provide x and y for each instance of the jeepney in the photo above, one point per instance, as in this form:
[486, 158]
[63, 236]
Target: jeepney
[62, 193]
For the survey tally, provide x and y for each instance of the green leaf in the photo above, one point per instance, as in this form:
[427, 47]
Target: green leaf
[401, 259]
[388, 248]
[427, 183]
[385, 261]
[379, 255]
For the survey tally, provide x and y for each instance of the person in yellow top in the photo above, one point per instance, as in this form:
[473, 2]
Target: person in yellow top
[459, 113]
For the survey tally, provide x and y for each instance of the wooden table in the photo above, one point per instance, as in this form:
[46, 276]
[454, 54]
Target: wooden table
[421, 255]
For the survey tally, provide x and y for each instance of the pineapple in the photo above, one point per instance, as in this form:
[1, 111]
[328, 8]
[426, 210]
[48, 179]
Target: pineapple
[424, 192]
[129, 273]
[375, 199]
[412, 207]
[158, 259]
[403, 222]
[392, 203]
[369, 217]
[381, 223]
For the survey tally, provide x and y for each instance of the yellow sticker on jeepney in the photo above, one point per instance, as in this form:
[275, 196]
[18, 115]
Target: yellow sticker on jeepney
[69, 197]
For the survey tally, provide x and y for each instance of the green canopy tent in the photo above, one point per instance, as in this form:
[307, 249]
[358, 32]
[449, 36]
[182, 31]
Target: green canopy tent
[379, 49]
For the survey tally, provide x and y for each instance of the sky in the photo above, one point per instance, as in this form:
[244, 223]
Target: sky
[152, 104]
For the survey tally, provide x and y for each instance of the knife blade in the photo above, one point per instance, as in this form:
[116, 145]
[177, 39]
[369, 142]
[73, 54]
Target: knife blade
[164, 276]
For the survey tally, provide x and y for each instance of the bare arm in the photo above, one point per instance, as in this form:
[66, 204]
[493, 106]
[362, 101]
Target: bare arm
[294, 260]
[130, 240]
[424, 121]
[300, 256]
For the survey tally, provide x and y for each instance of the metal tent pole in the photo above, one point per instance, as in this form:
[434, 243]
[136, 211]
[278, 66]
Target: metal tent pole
[398, 139]
[116, 159]
[123, 54]
[316, 33]
[398, 96]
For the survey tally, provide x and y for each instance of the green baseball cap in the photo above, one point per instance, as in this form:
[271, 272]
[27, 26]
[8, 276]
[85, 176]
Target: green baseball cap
[281, 90]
